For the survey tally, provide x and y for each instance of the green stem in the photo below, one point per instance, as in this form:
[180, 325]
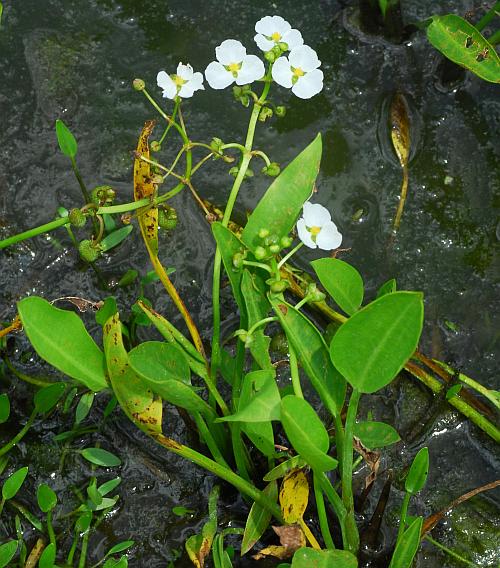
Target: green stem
[322, 517]
[30, 233]
[487, 393]
[260, 323]
[83, 552]
[452, 553]
[262, 155]
[20, 435]
[346, 472]
[402, 516]
[495, 38]
[290, 254]
[490, 14]
[209, 439]
[294, 372]
[50, 528]
[81, 183]
[257, 265]
[38, 382]
[239, 147]
[336, 503]
[169, 126]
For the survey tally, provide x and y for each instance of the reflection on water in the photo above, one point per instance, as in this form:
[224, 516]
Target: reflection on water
[62, 60]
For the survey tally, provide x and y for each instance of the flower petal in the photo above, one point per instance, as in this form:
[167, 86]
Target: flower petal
[315, 215]
[282, 72]
[217, 76]
[304, 235]
[187, 90]
[329, 237]
[166, 83]
[252, 69]
[304, 57]
[263, 43]
[230, 51]
[271, 24]
[293, 39]
[185, 71]
[309, 85]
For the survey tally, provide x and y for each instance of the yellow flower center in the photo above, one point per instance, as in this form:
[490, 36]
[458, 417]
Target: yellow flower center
[179, 81]
[315, 231]
[276, 36]
[297, 71]
[234, 67]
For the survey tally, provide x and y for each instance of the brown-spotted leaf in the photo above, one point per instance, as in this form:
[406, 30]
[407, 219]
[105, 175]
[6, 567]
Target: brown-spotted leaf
[294, 496]
[400, 128]
[144, 187]
[135, 398]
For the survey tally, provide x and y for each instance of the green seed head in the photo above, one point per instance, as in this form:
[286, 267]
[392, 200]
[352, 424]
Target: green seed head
[88, 251]
[77, 218]
[139, 84]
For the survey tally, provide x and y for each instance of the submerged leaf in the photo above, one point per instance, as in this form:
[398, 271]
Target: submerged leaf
[399, 118]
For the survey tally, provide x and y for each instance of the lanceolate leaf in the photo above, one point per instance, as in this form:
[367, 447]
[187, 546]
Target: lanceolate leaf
[306, 433]
[116, 237]
[47, 397]
[60, 338]
[312, 354]
[13, 483]
[417, 476]
[66, 140]
[135, 398]
[258, 519]
[408, 545]
[342, 281]
[372, 346]
[279, 208]
[461, 42]
[101, 457]
[46, 498]
[310, 558]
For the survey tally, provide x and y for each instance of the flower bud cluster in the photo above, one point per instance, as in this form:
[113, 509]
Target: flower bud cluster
[89, 250]
[102, 195]
[242, 94]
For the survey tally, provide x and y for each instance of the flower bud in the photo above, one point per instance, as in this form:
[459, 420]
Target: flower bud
[249, 173]
[238, 259]
[275, 249]
[283, 46]
[237, 92]
[167, 218]
[260, 253]
[271, 240]
[270, 56]
[216, 145]
[234, 171]
[263, 233]
[89, 251]
[77, 218]
[245, 100]
[155, 146]
[265, 113]
[280, 111]
[279, 286]
[139, 84]
[315, 295]
[285, 242]
[276, 50]
[102, 195]
[272, 170]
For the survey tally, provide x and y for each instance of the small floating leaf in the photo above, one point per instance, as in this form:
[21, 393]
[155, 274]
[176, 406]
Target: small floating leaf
[461, 42]
[283, 468]
[46, 498]
[47, 397]
[101, 457]
[120, 547]
[453, 391]
[48, 557]
[399, 119]
[387, 288]
[375, 434]
[13, 483]
[84, 406]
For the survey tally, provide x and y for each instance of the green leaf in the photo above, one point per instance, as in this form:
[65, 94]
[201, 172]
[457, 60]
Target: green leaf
[373, 345]
[453, 391]
[113, 563]
[280, 206]
[182, 511]
[310, 558]
[108, 486]
[95, 496]
[383, 6]
[13, 483]
[46, 498]
[387, 288]
[342, 281]
[158, 361]
[417, 476]
[67, 142]
[47, 397]
[461, 42]
[283, 468]
[306, 433]
[98, 456]
[48, 557]
[407, 546]
[116, 237]
[4, 408]
[84, 406]
[312, 353]
[60, 338]
[128, 278]
[375, 434]
[264, 405]
[1, 12]
[7, 552]
[108, 309]
[258, 519]
[120, 547]
[83, 522]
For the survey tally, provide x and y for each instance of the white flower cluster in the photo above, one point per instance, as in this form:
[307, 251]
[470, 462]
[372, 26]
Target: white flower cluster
[299, 71]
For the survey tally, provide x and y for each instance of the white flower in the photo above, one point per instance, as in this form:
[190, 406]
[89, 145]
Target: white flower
[300, 72]
[272, 30]
[316, 228]
[233, 65]
[183, 84]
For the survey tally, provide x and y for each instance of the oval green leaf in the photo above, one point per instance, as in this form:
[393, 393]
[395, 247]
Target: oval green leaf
[7, 552]
[46, 498]
[342, 281]
[283, 468]
[120, 547]
[280, 206]
[461, 42]
[419, 470]
[373, 345]
[310, 558]
[48, 557]
[101, 457]
[407, 546]
[60, 338]
[158, 361]
[4, 408]
[375, 434]
[13, 483]
[47, 397]
[66, 140]
[83, 407]
[306, 433]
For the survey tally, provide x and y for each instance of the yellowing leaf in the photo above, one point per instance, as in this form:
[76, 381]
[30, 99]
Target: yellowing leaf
[135, 398]
[144, 187]
[294, 496]
[280, 552]
[400, 128]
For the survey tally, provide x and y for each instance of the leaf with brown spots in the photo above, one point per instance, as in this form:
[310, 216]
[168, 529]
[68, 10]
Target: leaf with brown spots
[135, 398]
[294, 496]
[144, 187]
